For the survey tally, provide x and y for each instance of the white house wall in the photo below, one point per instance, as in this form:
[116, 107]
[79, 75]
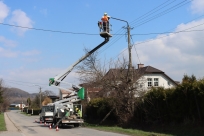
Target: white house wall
[163, 80]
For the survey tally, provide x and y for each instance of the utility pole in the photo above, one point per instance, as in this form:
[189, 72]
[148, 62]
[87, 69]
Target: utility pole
[130, 56]
[130, 69]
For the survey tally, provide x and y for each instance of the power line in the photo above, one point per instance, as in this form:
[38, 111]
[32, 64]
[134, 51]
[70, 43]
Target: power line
[46, 30]
[111, 43]
[168, 32]
[57, 31]
[151, 11]
[158, 15]
[82, 33]
[151, 33]
[120, 35]
[162, 37]
[164, 12]
[136, 50]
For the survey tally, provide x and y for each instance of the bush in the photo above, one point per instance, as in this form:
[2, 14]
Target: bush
[98, 108]
[183, 104]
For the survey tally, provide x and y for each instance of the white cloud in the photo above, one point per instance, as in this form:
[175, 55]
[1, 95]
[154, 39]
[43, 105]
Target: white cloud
[4, 11]
[197, 6]
[176, 54]
[7, 53]
[7, 42]
[21, 19]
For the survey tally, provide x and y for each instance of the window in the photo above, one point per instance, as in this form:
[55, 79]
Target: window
[168, 83]
[149, 82]
[156, 81]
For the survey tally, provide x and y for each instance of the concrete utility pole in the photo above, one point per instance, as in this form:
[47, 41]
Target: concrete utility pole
[130, 54]
[130, 69]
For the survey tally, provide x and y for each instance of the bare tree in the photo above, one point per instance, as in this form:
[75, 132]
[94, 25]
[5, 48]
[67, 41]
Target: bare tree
[115, 84]
[91, 69]
[122, 89]
[48, 93]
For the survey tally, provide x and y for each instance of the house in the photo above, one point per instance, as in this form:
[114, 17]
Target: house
[17, 105]
[152, 77]
[145, 77]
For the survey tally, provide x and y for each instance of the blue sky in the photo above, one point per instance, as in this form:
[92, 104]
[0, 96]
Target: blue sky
[29, 56]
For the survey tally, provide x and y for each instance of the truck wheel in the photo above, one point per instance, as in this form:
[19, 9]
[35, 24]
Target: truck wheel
[76, 125]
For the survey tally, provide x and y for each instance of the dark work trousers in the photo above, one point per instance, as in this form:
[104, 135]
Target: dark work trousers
[106, 27]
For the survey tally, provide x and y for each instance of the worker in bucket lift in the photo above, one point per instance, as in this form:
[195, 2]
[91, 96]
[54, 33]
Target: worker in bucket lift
[105, 19]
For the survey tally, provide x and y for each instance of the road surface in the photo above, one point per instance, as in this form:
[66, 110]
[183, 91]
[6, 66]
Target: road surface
[21, 125]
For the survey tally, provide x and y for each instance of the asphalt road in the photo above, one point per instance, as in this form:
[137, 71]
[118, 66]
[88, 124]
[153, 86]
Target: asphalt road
[21, 125]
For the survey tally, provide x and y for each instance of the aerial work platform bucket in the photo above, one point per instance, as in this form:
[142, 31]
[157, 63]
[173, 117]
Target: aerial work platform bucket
[104, 28]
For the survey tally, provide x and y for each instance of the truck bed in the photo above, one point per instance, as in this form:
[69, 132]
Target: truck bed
[67, 121]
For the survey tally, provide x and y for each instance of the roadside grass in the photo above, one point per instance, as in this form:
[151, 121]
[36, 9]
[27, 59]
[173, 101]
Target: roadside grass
[131, 132]
[2, 123]
[170, 130]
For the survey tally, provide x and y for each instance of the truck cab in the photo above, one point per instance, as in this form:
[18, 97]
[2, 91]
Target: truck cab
[46, 114]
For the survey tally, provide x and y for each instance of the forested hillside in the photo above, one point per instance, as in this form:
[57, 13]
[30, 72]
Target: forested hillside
[16, 95]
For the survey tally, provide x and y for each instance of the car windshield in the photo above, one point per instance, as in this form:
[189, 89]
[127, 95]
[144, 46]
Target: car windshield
[47, 108]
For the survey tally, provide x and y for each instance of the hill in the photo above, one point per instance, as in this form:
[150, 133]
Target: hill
[16, 95]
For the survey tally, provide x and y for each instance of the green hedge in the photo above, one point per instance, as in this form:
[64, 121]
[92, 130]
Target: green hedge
[183, 104]
[31, 111]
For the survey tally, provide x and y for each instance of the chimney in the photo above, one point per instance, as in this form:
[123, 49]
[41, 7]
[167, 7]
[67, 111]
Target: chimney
[140, 66]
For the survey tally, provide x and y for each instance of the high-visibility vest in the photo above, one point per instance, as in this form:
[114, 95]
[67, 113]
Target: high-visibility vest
[80, 113]
[104, 18]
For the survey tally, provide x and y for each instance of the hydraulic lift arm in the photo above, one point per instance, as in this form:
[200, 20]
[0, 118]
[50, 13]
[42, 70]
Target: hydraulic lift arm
[57, 79]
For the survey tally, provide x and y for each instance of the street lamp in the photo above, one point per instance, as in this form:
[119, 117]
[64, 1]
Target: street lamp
[40, 94]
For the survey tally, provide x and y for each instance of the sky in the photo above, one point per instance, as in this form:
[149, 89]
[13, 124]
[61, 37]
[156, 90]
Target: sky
[39, 39]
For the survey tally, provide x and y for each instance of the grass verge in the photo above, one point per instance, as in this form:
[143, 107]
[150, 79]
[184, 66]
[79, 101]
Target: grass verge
[2, 122]
[170, 130]
[131, 132]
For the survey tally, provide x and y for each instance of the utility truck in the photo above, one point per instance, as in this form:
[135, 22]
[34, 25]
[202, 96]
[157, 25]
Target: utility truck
[69, 110]
[46, 114]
